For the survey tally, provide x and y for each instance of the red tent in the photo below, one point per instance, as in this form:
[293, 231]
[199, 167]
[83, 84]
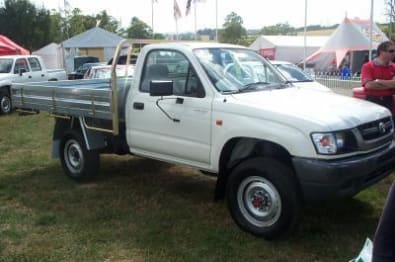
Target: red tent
[7, 47]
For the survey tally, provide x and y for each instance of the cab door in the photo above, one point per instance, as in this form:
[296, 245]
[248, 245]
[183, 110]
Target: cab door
[22, 71]
[37, 72]
[176, 127]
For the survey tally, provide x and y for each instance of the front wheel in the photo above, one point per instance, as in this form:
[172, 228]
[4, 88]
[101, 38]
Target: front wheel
[263, 197]
[78, 162]
[5, 104]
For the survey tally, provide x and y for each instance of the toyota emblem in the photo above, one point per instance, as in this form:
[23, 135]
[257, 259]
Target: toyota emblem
[382, 128]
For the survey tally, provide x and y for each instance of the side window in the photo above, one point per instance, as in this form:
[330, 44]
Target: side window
[34, 64]
[21, 63]
[173, 66]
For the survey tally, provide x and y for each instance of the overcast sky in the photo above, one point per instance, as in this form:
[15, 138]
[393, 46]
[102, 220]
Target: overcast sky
[255, 13]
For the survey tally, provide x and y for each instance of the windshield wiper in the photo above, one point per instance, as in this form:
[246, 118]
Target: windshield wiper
[230, 91]
[302, 81]
[253, 86]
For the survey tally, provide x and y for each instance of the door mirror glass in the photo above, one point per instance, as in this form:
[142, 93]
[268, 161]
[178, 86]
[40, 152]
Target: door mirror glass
[161, 88]
[21, 71]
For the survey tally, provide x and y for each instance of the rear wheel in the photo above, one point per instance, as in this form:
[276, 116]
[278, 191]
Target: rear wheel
[78, 162]
[263, 197]
[5, 104]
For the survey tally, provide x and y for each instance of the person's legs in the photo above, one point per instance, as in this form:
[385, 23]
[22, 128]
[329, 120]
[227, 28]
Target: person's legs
[385, 101]
[384, 240]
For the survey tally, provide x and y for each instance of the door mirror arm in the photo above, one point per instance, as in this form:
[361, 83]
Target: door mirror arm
[164, 112]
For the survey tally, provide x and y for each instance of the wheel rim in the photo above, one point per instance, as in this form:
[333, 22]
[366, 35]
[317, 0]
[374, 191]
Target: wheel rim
[73, 156]
[5, 104]
[259, 201]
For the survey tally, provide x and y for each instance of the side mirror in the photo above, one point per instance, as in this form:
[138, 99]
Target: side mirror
[161, 88]
[21, 71]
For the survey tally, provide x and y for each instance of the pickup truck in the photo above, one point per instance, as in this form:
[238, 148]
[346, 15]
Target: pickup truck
[273, 146]
[22, 68]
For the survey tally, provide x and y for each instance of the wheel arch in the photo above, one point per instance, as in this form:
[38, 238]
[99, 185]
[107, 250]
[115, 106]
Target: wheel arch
[5, 89]
[93, 140]
[60, 129]
[5, 97]
[238, 149]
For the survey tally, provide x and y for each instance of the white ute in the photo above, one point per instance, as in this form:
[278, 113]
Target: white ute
[273, 146]
[19, 69]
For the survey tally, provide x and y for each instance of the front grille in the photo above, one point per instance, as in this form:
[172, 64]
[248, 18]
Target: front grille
[376, 129]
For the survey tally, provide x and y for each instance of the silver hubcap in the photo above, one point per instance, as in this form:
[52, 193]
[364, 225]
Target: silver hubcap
[259, 201]
[5, 104]
[73, 156]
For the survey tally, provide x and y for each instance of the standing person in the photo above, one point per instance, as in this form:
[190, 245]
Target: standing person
[384, 239]
[378, 76]
[378, 79]
[345, 72]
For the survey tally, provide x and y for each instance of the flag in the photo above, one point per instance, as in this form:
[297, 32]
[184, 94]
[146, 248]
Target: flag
[189, 3]
[66, 4]
[177, 11]
[188, 9]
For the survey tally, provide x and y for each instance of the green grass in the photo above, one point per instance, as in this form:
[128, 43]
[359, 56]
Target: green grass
[144, 210]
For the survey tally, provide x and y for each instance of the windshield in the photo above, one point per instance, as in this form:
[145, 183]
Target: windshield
[5, 65]
[293, 73]
[105, 72]
[235, 70]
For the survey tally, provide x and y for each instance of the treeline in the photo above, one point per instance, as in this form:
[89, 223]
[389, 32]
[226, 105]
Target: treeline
[34, 27]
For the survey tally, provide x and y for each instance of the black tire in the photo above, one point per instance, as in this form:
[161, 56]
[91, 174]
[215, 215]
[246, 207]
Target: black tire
[78, 162]
[264, 198]
[5, 103]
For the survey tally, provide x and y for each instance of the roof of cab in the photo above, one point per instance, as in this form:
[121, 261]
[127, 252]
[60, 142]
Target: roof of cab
[194, 45]
[18, 56]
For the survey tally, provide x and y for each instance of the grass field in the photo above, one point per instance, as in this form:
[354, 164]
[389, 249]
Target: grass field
[144, 210]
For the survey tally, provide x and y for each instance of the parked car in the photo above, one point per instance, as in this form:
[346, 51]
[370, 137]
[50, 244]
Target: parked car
[272, 146]
[122, 59]
[359, 92]
[23, 68]
[297, 77]
[104, 71]
[81, 70]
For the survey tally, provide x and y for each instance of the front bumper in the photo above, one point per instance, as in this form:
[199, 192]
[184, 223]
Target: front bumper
[326, 179]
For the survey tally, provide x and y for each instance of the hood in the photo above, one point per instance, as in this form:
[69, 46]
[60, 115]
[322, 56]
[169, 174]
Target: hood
[312, 86]
[7, 76]
[304, 108]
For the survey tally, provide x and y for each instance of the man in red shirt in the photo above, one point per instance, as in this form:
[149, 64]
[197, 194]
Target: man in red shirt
[378, 76]
[378, 79]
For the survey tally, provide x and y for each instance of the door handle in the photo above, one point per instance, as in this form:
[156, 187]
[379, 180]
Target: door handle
[42, 75]
[138, 106]
[30, 76]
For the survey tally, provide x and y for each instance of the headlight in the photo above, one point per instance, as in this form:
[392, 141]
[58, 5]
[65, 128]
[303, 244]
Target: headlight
[334, 143]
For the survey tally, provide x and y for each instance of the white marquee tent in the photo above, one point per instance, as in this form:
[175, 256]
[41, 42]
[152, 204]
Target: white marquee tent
[351, 35]
[287, 48]
[51, 55]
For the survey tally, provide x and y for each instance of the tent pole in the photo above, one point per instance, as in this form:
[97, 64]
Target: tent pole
[371, 30]
[304, 36]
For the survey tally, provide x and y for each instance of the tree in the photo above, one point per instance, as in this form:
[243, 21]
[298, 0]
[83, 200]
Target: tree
[208, 32]
[78, 23]
[22, 22]
[107, 22]
[390, 12]
[138, 29]
[278, 29]
[56, 31]
[233, 31]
